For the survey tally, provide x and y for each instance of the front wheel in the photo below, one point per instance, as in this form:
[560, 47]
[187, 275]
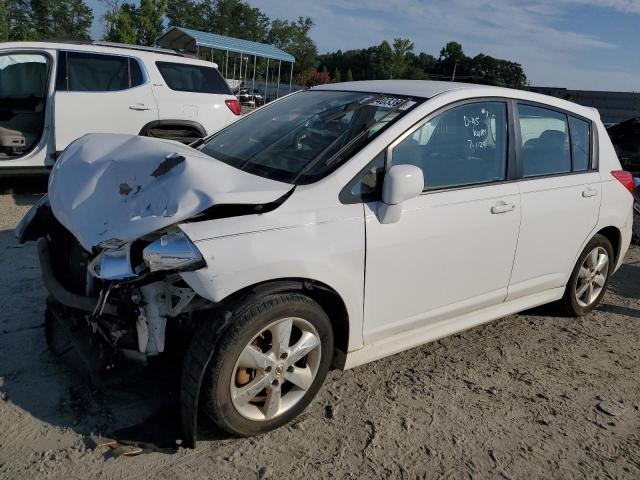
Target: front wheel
[268, 365]
[589, 278]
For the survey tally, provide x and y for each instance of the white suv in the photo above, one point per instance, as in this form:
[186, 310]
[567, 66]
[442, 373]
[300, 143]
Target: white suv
[53, 93]
[339, 224]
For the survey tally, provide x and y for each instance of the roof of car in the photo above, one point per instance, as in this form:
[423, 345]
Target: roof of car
[107, 47]
[414, 88]
[430, 88]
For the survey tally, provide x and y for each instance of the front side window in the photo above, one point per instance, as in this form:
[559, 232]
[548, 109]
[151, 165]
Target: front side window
[464, 145]
[545, 141]
[304, 137]
[193, 78]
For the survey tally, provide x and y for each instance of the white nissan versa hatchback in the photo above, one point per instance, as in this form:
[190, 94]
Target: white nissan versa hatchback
[336, 225]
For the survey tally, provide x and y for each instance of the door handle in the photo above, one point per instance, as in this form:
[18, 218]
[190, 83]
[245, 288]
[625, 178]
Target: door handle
[502, 207]
[139, 107]
[589, 192]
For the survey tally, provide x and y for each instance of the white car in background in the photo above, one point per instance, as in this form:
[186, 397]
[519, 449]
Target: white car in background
[338, 224]
[53, 93]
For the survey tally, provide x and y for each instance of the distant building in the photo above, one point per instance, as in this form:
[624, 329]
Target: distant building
[614, 107]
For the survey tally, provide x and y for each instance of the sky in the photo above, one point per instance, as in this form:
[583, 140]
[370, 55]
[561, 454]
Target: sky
[577, 44]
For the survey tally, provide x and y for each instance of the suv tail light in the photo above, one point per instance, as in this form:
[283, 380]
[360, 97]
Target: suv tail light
[625, 178]
[234, 106]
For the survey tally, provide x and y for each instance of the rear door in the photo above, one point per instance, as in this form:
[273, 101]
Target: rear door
[100, 93]
[196, 93]
[560, 192]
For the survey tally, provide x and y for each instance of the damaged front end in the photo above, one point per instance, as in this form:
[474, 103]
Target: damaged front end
[126, 294]
[111, 249]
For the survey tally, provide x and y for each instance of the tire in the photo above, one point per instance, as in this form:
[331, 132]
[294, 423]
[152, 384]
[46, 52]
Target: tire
[246, 401]
[576, 305]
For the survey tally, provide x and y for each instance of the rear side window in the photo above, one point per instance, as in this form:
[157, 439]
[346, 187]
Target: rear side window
[89, 72]
[545, 141]
[193, 78]
[465, 145]
[580, 144]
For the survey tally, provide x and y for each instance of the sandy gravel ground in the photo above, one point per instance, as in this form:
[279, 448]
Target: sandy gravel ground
[529, 396]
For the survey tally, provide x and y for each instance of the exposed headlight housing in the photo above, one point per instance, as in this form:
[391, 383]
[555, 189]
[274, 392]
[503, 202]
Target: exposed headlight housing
[113, 264]
[172, 251]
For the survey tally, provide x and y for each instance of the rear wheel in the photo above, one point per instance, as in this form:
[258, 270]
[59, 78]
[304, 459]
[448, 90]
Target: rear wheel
[589, 278]
[268, 365]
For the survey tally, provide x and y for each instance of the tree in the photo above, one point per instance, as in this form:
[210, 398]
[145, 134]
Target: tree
[401, 48]
[385, 60]
[236, 18]
[399, 61]
[140, 25]
[293, 38]
[121, 24]
[349, 77]
[148, 21]
[189, 14]
[60, 19]
[337, 78]
[15, 16]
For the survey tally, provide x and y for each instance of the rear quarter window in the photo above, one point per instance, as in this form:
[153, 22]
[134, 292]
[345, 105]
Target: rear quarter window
[193, 78]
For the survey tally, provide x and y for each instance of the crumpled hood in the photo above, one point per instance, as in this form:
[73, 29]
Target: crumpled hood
[111, 186]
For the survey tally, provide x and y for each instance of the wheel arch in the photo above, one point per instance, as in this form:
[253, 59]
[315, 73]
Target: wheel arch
[327, 297]
[614, 235]
[177, 123]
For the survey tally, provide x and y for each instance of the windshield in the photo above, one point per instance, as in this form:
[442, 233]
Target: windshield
[306, 136]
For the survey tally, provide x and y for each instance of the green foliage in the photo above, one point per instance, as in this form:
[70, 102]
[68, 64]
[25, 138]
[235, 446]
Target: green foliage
[141, 25]
[336, 77]
[349, 77]
[190, 14]
[293, 38]
[399, 61]
[15, 21]
[148, 21]
[60, 19]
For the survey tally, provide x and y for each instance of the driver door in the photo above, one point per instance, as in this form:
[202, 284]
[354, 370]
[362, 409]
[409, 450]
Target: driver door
[452, 250]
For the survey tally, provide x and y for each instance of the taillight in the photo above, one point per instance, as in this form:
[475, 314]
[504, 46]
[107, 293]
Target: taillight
[234, 106]
[625, 178]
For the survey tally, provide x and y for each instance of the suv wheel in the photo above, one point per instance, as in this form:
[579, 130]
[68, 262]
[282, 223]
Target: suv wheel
[268, 365]
[589, 278]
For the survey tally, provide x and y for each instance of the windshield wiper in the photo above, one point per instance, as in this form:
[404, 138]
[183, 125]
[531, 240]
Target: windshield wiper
[351, 142]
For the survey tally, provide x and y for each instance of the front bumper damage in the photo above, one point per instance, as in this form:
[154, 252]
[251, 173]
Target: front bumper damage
[112, 252]
[106, 338]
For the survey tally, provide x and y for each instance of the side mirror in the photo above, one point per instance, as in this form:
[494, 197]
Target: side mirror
[401, 183]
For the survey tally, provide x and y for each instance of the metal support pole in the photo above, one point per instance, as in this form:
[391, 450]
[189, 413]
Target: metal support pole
[253, 82]
[291, 78]
[226, 66]
[266, 77]
[278, 88]
[234, 68]
[240, 76]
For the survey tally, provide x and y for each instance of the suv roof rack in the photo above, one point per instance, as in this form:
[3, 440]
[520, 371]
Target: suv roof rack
[103, 43]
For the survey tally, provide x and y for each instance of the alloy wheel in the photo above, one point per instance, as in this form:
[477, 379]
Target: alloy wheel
[275, 369]
[592, 277]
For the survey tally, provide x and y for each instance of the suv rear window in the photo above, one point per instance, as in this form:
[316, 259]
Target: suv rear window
[193, 78]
